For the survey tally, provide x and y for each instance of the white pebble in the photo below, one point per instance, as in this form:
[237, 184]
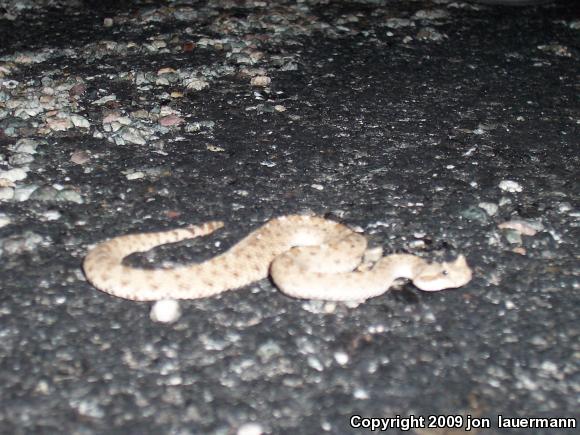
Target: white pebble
[80, 121]
[105, 100]
[165, 311]
[341, 358]
[15, 174]
[6, 193]
[22, 193]
[250, 429]
[564, 207]
[26, 146]
[549, 366]
[135, 175]
[329, 307]
[510, 186]
[196, 84]
[361, 394]
[52, 215]
[489, 207]
[315, 363]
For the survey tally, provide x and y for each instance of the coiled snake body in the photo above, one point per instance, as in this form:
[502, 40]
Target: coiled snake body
[306, 256]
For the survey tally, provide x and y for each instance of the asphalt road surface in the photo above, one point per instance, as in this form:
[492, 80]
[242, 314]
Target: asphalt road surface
[439, 128]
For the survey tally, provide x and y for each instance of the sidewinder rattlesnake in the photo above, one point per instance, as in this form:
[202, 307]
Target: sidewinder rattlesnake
[307, 257]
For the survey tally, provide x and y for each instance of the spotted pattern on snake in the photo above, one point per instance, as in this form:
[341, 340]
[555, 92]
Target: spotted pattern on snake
[307, 257]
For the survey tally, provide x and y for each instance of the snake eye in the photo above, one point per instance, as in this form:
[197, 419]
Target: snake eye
[444, 272]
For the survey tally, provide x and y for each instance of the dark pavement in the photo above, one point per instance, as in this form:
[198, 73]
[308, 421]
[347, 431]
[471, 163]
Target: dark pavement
[429, 124]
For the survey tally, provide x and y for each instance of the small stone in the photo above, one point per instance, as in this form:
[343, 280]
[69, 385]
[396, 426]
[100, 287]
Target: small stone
[196, 84]
[417, 244]
[22, 193]
[108, 22]
[513, 237]
[341, 358]
[329, 307]
[26, 146]
[59, 124]
[162, 81]
[527, 228]
[80, 121]
[135, 175]
[564, 207]
[21, 243]
[165, 311]
[315, 363]
[268, 351]
[105, 100]
[52, 215]
[6, 193]
[250, 429]
[550, 367]
[510, 186]
[132, 135]
[20, 159]
[13, 175]
[89, 408]
[504, 201]
[261, 81]
[159, 43]
[490, 208]
[80, 157]
[166, 70]
[69, 195]
[170, 120]
[539, 341]
[111, 117]
[361, 394]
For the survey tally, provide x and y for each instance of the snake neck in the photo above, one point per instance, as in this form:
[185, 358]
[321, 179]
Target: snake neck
[400, 266]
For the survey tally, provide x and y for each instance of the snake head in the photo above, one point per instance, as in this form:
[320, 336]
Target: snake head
[439, 276]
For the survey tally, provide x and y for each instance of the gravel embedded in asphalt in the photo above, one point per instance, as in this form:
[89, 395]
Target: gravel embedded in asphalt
[439, 128]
